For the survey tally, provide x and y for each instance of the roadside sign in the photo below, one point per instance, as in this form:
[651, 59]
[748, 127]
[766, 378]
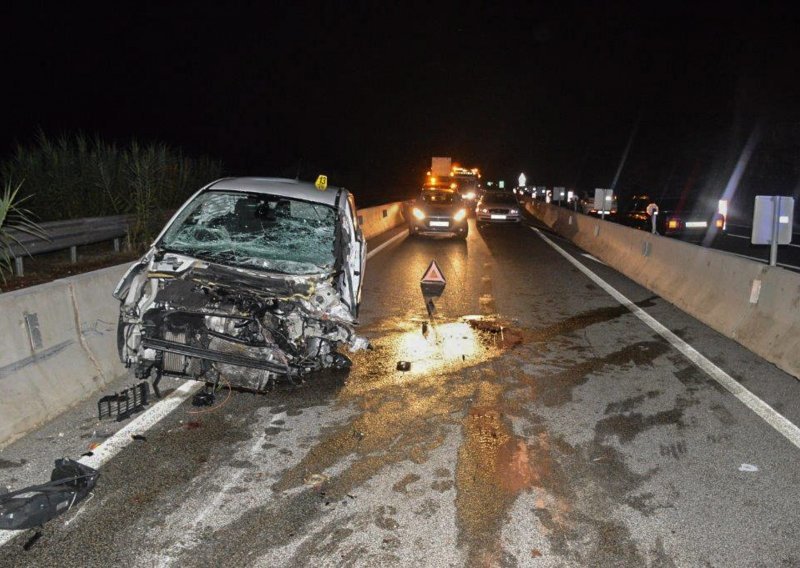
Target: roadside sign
[433, 281]
[772, 223]
[765, 215]
[501, 184]
[652, 209]
[603, 198]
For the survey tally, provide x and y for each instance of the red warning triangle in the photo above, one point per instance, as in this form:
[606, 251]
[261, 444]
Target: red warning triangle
[433, 275]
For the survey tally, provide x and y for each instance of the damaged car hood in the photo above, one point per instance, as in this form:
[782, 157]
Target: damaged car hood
[193, 317]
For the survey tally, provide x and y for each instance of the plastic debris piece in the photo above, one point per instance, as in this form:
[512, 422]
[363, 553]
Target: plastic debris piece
[139, 437]
[748, 467]
[125, 403]
[404, 366]
[33, 506]
[31, 541]
[315, 479]
[203, 399]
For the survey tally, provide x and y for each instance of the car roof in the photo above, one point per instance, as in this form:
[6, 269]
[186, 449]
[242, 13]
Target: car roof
[283, 187]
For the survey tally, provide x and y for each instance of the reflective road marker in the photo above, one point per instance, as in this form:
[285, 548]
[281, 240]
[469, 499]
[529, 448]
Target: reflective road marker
[765, 411]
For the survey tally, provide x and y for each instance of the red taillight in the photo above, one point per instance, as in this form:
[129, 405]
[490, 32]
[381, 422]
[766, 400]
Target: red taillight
[673, 223]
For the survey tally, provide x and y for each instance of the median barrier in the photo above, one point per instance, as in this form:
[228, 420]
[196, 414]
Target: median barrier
[754, 304]
[381, 218]
[57, 348]
[59, 340]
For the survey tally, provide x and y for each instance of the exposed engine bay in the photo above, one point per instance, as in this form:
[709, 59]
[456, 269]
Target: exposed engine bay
[181, 316]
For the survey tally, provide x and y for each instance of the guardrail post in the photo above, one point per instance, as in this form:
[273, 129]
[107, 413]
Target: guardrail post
[18, 268]
[116, 244]
[73, 254]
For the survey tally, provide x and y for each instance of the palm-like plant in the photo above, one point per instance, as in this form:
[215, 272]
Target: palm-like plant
[13, 217]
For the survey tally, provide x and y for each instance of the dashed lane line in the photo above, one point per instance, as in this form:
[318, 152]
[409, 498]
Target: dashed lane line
[753, 402]
[401, 235]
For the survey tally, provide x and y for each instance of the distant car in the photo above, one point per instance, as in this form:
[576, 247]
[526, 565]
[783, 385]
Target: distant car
[439, 212]
[253, 278]
[586, 206]
[676, 217]
[497, 207]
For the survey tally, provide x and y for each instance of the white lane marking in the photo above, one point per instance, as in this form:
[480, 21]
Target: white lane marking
[761, 408]
[401, 235]
[590, 257]
[124, 436]
[113, 445]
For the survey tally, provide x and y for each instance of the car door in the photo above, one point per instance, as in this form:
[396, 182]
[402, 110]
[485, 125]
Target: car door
[357, 254]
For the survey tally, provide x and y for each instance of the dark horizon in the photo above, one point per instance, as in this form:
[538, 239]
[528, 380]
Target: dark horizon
[368, 95]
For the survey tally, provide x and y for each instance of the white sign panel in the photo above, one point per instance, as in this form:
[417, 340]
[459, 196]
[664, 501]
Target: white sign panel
[765, 215]
[602, 199]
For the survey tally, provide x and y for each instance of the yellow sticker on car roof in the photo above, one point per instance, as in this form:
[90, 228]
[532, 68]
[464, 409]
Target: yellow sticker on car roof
[321, 183]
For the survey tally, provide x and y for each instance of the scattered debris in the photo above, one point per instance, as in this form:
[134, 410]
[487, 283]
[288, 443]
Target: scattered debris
[204, 398]
[315, 479]
[425, 329]
[139, 437]
[33, 506]
[87, 454]
[193, 424]
[748, 467]
[404, 366]
[124, 403]
[536, 553]
[31, 541]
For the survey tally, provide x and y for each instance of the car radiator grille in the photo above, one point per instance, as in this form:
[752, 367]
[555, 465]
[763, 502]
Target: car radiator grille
[173, 362]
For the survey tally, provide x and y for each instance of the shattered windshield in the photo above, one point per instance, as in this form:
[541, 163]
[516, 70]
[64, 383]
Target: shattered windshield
[258, 231]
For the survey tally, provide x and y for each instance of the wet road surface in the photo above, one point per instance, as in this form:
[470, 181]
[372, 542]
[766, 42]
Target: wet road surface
[540, 424]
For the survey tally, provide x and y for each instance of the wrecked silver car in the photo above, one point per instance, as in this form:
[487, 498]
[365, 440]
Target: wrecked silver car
[252, 279]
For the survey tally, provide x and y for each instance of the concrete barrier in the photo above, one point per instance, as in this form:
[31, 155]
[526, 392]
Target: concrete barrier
[376, 220]
[59, 346]
[752, 303]
[59, 340]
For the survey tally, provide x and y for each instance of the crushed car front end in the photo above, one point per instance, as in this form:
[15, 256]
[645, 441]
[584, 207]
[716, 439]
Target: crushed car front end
[245, 286]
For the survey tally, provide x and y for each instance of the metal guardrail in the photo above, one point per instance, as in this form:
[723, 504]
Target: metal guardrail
[69, 234]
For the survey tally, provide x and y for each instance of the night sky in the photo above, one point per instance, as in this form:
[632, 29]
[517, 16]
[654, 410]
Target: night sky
[367, 92]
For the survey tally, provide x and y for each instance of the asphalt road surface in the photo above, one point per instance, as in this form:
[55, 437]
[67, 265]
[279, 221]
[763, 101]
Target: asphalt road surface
[541, 424]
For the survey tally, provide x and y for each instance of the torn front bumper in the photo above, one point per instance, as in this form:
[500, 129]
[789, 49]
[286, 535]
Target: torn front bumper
[183, 317]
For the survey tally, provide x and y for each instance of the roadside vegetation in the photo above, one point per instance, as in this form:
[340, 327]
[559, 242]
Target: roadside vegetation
[13, 217]
[73, 176]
